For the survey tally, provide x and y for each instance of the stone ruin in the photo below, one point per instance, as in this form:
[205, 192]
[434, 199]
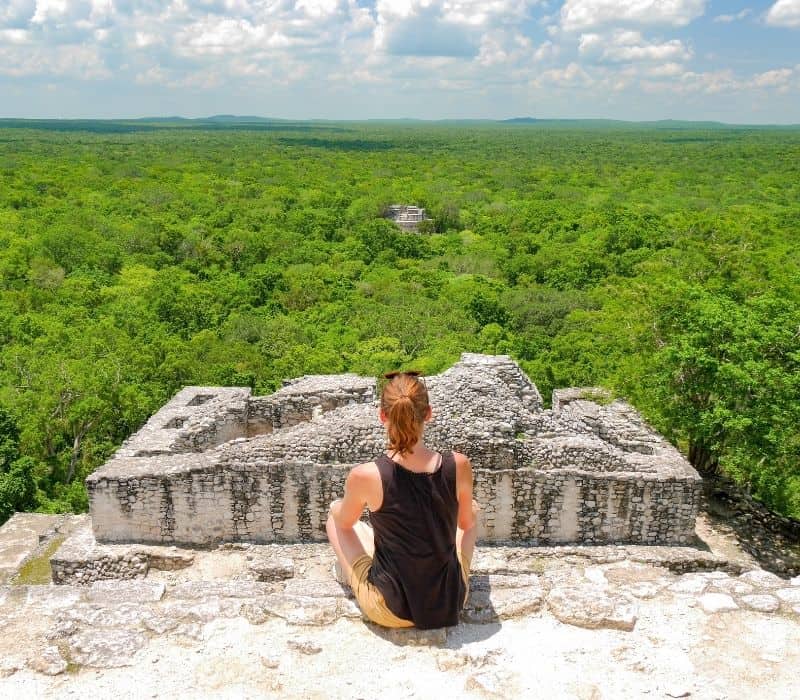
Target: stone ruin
[216, 464]
[406, 216]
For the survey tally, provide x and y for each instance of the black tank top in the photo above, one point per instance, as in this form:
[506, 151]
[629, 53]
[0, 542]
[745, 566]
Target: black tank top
[415, 565]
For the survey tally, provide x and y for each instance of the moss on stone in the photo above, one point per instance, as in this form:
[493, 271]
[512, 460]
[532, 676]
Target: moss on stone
[599, 396]
[36, 570]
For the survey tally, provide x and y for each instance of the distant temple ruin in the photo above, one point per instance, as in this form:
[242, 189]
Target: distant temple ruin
[407, 217]
[216, 464]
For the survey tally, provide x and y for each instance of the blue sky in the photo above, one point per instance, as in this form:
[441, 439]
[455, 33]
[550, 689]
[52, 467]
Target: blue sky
[734, 61]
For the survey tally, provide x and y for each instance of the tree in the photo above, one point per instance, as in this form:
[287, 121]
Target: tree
[727, 377]
[18, 488]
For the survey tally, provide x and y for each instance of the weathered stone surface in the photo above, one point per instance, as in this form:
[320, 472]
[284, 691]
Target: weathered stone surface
[644, 589]
[95, 616]
[795, 581]
[500, 597]
[270, 660]
[256, 613]
[490, 683]
[202, 609]
[717, 602]
[190, 630]
[411, 636]
[761, 602]
[693, 584]
[592, 607]
[733, 586]
[169, 558]
[9, 665]
[474, 658]
[48, 661]
[48, 599]
[497, 581]
[105, 648]
[326, 588]
[516, 602]
[222, 589]
[161, 623]
[714, 576]
[111, 591]
[304, 646]
[300, 610]
[20, 536]
[762, 579]
[271, 568]
[479, 608]
[449, 660]
[789, 595]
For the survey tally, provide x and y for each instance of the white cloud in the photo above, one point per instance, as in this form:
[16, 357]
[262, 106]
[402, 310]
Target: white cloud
[784, 13]
[82, 62]
[16, 13]
[546, 50]
[577, 15]
[773, 78]
[455, 28]
[623, 46]
[780, 80]
[142, 40]
[665, 70]
[15, 36]
[54, 11]
[727, 19]
[216, 37]
[318, 8]
[569, 76]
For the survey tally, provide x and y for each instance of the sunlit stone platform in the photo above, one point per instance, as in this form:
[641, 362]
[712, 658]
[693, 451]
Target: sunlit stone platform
[216, 464]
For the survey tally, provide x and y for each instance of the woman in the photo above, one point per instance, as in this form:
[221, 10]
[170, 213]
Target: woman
[411, 568]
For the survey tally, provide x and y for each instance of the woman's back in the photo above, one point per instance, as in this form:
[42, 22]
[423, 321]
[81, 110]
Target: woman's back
[416, 565]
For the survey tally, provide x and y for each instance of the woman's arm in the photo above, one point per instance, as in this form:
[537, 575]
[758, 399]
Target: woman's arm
[359, 491]
[464, 484]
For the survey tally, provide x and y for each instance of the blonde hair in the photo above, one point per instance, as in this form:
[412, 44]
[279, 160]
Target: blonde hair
[405, 403]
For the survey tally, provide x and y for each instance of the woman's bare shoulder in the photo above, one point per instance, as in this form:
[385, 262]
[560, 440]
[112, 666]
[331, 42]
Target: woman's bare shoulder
[462, 461]
[365, 470]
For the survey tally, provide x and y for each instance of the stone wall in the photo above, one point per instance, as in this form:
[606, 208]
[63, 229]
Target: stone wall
[299, 400]
[80, 561]
[581, 472]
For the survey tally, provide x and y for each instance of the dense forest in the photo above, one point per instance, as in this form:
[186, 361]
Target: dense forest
[661, 262]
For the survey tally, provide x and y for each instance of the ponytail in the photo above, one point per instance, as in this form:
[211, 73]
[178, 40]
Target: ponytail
[404, 401]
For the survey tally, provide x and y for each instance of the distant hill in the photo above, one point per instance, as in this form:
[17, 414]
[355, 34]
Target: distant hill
[657, 124]
[237, 119]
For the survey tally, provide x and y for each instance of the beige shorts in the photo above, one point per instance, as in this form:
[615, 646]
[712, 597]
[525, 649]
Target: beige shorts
[371, 600]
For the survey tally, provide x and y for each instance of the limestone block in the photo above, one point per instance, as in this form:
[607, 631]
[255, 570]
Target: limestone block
[690, 583]
[762, 579]
[789, 595]
[717, 602]
[762, 602]
[105, 648]
[271, 568]
[48, 661]
[592, 607]
[303, 610]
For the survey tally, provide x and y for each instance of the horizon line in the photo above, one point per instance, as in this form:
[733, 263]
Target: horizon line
[505, 120]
